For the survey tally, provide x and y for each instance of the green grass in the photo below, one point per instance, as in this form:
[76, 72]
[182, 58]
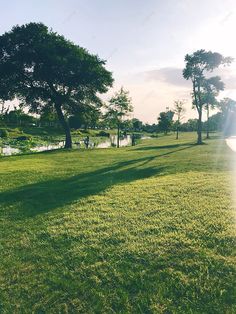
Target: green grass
[144, 229]
[42, 136]
[42, 133]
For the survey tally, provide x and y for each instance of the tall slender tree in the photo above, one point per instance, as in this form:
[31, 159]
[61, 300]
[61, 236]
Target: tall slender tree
[179, 111]
[198, 65]
[211, 89]
[45, 70]
[119, 107]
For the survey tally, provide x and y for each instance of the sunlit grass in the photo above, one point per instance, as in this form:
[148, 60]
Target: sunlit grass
[147, 229]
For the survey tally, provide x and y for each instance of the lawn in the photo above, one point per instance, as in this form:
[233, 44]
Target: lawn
[144, 229]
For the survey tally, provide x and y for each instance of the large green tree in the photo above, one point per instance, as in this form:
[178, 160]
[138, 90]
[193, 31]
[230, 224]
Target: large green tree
[44, 70]
[119, 107]
[136, 124]
[198, 66]
[165, 121]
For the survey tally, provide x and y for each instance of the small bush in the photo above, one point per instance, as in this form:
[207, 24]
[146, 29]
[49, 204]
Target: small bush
[3, 133]
[83, 131]
[76, 132]
[103, 133]
[15, 132]
[2, 123]
[24, 138]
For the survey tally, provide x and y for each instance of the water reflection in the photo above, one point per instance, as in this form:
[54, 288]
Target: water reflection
[112, 142]
[48, 147]
[8, 150]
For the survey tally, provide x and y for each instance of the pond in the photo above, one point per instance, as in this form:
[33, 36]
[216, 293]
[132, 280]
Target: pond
[7, 150]
[112, 141]
[48, 147]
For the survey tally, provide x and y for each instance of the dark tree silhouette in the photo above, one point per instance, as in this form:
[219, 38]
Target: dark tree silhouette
[44, 70]
[197, 66]
[165, 121]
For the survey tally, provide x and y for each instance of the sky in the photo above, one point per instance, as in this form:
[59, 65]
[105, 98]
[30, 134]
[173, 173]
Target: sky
[144, 42]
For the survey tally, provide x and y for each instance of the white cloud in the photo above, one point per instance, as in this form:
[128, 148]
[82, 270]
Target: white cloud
[169, 75]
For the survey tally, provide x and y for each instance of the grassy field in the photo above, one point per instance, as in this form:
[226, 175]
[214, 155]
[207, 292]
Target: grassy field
[144, 229]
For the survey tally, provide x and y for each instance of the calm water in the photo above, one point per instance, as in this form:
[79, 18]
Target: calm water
[125, 141]
[48, 147]
[7, 150]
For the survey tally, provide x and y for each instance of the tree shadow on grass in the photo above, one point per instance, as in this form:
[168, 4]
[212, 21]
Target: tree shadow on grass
[43, 197]
[158, 147]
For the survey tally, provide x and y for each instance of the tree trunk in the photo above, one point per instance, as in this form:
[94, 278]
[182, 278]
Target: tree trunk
[177, 131]
[65, 125]
[207, 135]
[118, 136]
[199, 127]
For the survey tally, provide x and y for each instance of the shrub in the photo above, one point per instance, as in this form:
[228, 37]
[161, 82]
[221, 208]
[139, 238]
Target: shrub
[76, 132]
[83, 131]
[103, 133]
[3, 133]
[24, 138]
[15, 132]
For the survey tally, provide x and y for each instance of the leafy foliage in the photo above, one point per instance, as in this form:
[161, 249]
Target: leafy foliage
[3, 133]
[44, 70]
[165, 121]
[86, 116]
[204, 89]
[119, 107]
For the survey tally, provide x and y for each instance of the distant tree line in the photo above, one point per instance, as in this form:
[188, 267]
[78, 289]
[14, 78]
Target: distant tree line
[222, 121]
[170, 121]
[59, 83]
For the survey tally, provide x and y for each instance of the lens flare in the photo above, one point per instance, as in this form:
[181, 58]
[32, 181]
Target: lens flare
[231, 142]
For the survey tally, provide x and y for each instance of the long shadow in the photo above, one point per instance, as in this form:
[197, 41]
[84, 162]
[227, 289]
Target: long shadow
[158, 147]
[42, 197]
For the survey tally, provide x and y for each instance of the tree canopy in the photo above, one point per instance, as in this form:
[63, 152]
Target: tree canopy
[43, 69]
[165, 121]
[197, 66]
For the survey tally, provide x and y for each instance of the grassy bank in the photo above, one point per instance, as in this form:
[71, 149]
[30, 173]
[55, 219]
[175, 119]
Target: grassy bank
[43, 136]
[144, 229]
